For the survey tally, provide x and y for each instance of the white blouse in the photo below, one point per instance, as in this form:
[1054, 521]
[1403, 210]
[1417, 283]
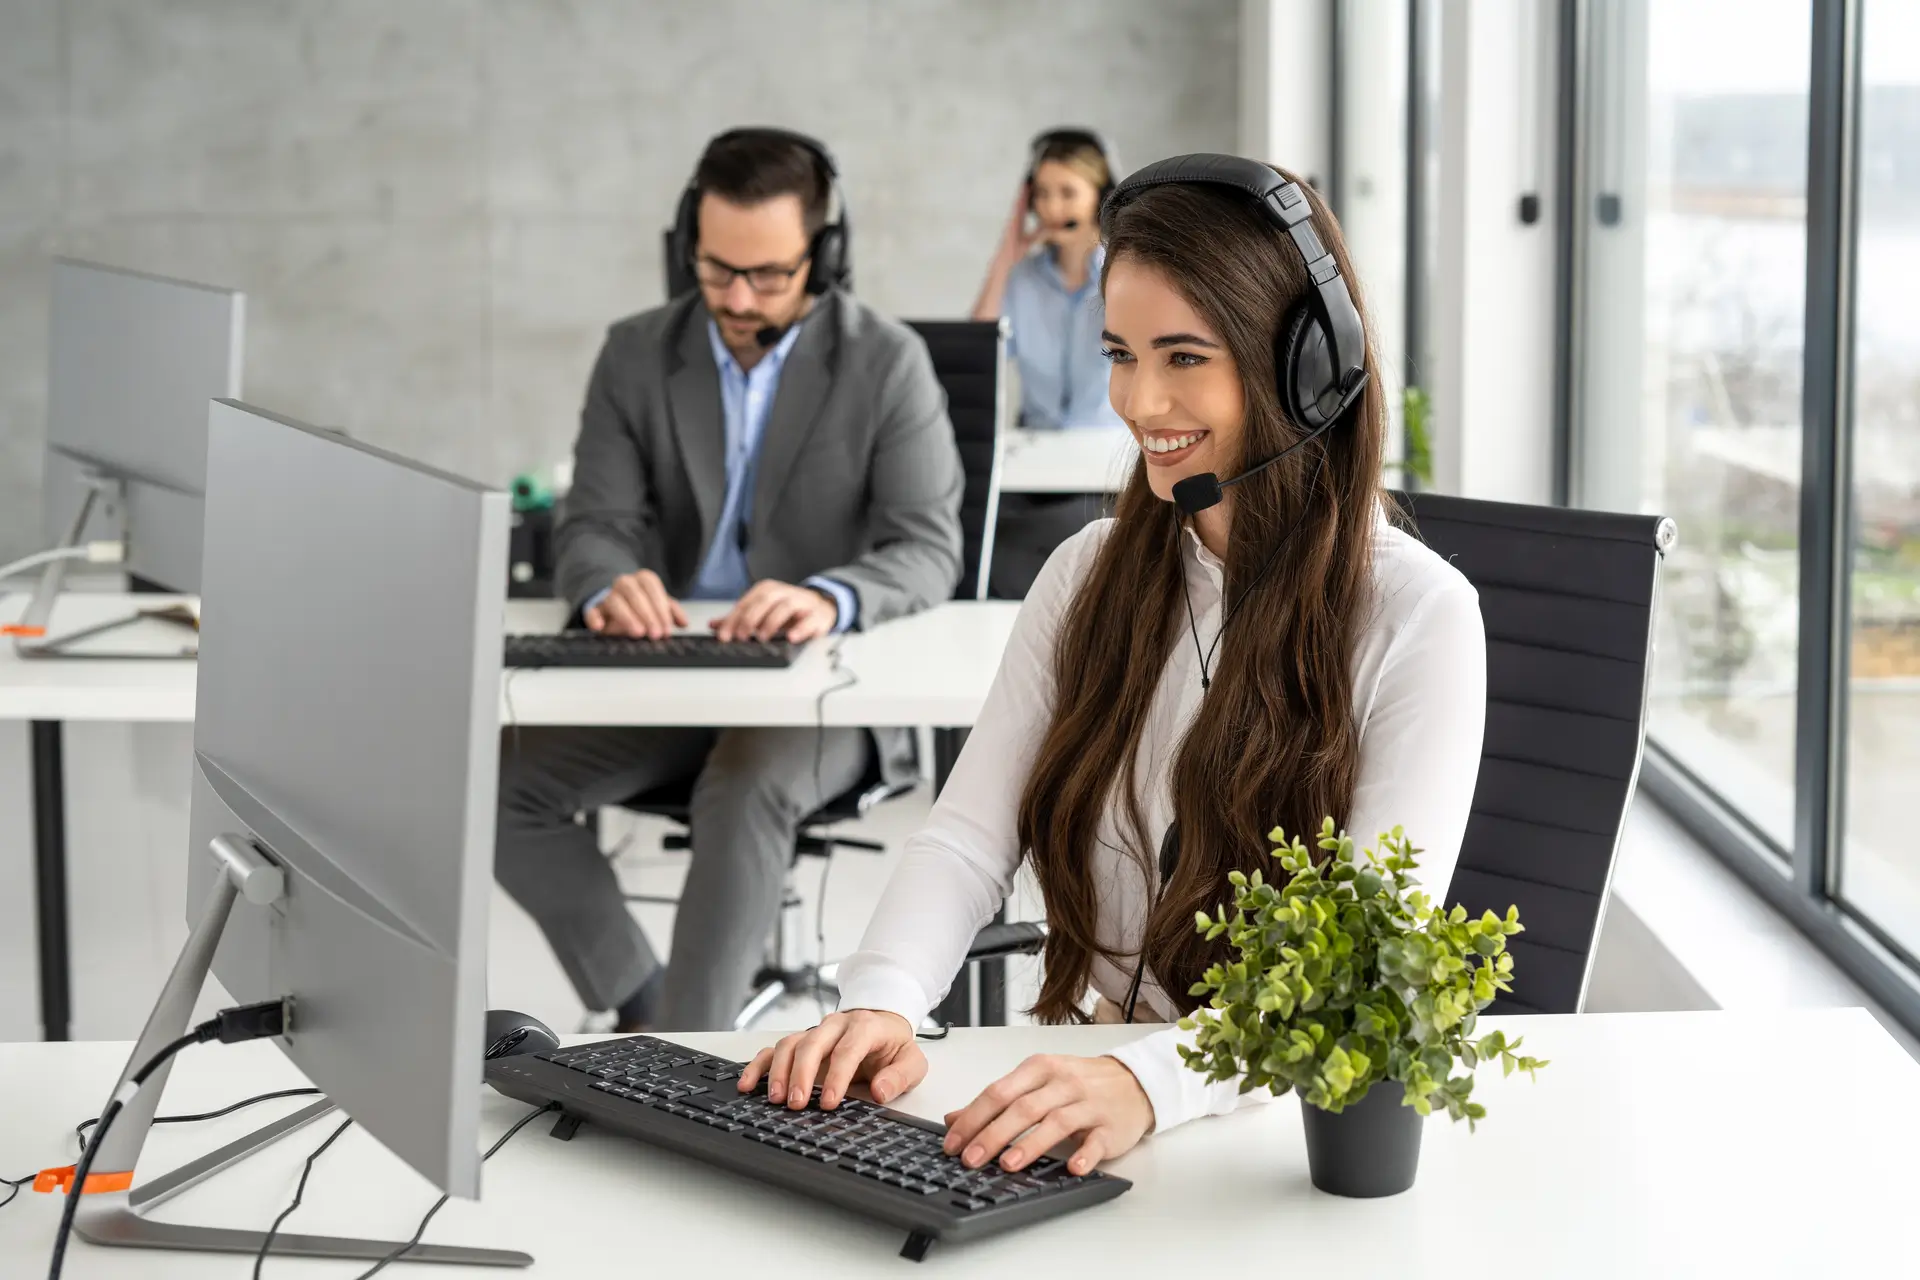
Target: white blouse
[1419, 698]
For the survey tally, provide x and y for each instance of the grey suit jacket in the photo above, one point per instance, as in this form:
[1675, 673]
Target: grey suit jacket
[858, 477]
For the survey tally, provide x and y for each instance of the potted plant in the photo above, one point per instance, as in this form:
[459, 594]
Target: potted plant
[1347, 976]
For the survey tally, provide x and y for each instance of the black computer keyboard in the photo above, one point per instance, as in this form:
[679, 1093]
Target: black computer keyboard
[588, 649]
[878, 1163]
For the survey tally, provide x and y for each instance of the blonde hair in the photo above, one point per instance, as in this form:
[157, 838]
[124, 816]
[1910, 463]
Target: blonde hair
[1082, 158]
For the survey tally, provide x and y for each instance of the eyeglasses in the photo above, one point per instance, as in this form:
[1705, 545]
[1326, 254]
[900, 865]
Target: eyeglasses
[716, 274]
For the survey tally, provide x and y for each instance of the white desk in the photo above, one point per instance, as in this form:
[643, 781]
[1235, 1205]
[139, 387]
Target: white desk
[930, 669]
[1074, 460]
[933, 668]
[1657, 1145]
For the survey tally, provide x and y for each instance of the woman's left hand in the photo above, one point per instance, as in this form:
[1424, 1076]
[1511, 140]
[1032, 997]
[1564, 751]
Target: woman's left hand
[1046, 1100]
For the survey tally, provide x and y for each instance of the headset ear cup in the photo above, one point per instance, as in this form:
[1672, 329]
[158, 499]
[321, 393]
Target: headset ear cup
[829, 263]
[681, 237]
[1304, 369]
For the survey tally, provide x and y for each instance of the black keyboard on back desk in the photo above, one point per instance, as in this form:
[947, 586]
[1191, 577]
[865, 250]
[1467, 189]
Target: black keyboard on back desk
[878, 1163]
[589, 649]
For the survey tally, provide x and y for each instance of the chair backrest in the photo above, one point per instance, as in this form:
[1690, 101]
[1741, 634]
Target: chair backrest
[970, 359]
[1568, 600]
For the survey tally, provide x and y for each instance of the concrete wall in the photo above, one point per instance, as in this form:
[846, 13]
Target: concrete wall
[437, 206]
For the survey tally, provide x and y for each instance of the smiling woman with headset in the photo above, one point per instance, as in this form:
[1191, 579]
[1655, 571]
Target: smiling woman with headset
[1221, 658]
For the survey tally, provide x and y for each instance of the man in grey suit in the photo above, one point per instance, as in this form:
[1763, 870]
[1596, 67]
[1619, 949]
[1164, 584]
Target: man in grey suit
[766, 439]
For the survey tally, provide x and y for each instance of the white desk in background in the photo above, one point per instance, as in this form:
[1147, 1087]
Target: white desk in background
[1071, 460]
[930, 669]
[1656, 1145]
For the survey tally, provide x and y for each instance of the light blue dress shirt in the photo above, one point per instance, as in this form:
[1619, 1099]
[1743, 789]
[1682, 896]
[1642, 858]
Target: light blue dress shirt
[746, 398]
[1056, 339]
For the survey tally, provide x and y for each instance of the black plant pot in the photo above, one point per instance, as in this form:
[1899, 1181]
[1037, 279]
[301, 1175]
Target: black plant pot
[1370, 1149]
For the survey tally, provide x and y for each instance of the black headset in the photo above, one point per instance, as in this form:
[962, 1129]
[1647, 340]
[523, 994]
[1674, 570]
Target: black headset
[1320, 353]
[1319, 363]
[830, 252]
[1071, 136]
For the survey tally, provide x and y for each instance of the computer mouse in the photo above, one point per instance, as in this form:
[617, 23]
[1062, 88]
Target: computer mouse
[509, 1033]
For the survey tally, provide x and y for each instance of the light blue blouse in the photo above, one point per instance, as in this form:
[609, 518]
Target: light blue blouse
[1056, 339]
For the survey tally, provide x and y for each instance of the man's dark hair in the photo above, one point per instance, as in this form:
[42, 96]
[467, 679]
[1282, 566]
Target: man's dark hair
[752, 167]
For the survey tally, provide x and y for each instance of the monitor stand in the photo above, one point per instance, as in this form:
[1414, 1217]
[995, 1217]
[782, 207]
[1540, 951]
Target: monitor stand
[30, 633]
[113, 1215]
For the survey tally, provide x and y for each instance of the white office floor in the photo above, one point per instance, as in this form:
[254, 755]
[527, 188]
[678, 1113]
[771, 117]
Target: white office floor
[1683, 932]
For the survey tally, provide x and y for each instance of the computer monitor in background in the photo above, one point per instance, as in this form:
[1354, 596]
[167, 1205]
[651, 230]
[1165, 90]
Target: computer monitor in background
[360, 774]
[134, 360]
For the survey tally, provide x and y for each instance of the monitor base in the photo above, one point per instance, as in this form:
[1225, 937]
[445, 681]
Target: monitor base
[109, 1219]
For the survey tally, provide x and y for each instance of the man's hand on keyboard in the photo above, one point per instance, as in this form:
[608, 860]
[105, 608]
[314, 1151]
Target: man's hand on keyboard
[777, 610]
[859, 1045]
[637, 605]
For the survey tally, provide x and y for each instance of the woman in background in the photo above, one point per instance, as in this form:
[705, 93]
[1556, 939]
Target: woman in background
[1045, 280]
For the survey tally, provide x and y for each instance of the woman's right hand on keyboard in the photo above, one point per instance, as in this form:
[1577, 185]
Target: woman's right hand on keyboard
[858, 1045]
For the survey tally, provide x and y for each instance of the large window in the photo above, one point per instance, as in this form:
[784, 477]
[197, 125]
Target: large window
[1696, 268]
[1748, 251]
[1879, 873]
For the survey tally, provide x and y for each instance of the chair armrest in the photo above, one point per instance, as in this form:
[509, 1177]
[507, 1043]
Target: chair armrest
[1013, 938]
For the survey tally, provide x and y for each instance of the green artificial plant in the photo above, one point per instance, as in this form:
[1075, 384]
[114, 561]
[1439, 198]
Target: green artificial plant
[1416, 411]
[1347, 975]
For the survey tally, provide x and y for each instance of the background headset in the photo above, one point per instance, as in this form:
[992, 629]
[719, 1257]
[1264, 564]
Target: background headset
[1071, 136]
[830, 251]
[1319, 364]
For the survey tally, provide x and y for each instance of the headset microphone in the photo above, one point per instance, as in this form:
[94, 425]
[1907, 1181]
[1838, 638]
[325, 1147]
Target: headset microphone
[768, 335]
[1196, 493]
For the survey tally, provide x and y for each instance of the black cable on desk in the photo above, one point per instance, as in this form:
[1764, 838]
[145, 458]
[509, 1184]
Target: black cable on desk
[13, 1186]
[820, 802]
[421, 1230]
[229, 1026]
[299, 1194]
[80, 1130]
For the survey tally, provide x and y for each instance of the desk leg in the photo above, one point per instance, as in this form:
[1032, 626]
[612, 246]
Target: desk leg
[50, 879]
[991, 981]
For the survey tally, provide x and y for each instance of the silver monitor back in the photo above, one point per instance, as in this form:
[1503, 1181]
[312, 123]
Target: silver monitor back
[134, 360]
[348, 722]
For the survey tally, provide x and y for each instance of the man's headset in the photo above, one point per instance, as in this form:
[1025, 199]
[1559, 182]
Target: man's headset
[830, 252]
[1320, 352]
[1319, 356]
[1070, 137]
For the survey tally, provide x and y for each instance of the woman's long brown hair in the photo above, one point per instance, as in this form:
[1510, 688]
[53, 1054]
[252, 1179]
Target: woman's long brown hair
[1274, 741]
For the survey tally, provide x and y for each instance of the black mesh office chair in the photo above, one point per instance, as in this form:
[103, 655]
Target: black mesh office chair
[969, 359]
[1568, 599]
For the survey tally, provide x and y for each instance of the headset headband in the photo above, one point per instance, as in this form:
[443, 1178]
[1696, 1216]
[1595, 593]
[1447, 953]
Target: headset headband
[1079, 136]
[1286, 207]
[829, 249]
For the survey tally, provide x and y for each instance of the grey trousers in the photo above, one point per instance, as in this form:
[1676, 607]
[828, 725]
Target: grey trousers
[752, 787]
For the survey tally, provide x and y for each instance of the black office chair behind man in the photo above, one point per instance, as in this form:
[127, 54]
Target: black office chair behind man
[1568, 598]
[969, 359]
